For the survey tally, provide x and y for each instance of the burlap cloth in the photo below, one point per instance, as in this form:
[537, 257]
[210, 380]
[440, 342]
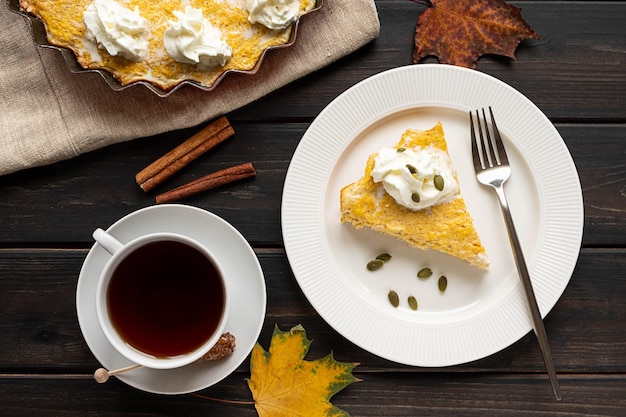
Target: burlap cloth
[48, 114]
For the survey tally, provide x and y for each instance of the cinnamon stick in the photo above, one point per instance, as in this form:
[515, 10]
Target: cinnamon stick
[213, 180]
[173, 161]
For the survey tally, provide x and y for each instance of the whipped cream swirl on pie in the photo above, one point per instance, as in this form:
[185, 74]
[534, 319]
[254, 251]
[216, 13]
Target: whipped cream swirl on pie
[193, 40]
[416, 178]
[119, 30]
[274, 14]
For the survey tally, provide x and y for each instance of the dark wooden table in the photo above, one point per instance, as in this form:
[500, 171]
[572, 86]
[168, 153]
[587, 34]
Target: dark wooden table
[576, 74]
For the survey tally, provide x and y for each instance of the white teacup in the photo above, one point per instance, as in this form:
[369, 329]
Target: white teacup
[161, 299]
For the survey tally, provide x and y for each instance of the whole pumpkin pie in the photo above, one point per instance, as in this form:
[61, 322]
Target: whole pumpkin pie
[166, 42]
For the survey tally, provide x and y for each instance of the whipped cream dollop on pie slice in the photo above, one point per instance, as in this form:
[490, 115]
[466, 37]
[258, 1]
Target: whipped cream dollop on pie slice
[414, 197]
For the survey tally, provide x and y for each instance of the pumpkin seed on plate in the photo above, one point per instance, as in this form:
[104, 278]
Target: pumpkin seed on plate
[424, 273]
[384, 257]
[443, 283]
[374, 265]
[412, 302]
[393, 298]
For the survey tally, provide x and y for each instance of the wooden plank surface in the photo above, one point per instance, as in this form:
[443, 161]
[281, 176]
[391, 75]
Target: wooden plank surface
[64, 202]
[377, 395]
[576, 74]
[40, 333]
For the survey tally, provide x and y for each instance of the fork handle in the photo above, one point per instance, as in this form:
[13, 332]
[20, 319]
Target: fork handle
[520, 262]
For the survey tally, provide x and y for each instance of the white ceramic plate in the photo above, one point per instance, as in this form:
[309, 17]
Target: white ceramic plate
[247, 291]
[480, 313]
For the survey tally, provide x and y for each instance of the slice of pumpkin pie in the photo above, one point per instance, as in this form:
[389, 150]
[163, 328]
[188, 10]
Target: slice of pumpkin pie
[411, 192]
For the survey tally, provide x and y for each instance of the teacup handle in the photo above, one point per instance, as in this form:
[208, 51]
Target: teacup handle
[108, 242]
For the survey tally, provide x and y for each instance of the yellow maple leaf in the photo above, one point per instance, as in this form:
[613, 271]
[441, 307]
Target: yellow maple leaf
[284, 384]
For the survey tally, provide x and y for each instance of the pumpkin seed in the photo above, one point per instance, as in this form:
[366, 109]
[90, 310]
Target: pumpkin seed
[374, 265]
[393, 298]
[411, 168]
[424, 273]
[384, 257]
[415, 197]
[412, 302]
[443, 283]
[400, 150]
[438, 182]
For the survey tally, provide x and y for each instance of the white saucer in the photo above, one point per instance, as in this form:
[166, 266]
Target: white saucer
[248, 294]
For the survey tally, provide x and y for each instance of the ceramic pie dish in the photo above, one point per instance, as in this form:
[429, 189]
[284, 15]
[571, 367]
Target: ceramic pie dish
[40, 37]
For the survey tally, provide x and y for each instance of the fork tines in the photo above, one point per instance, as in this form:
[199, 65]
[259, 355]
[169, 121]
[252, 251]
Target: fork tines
[489, 140]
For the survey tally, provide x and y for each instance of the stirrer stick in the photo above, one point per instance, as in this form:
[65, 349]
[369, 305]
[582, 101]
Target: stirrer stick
[102, 375]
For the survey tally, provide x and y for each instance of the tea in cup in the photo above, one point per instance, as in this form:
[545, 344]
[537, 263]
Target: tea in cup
[161, 299]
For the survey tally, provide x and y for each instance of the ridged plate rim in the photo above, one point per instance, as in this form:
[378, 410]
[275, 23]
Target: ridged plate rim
[421, 343]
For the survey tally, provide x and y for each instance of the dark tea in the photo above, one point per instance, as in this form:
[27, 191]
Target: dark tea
[166, 299]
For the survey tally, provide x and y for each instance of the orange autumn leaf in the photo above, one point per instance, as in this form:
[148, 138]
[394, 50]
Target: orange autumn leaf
[283, 384]
[458, 32]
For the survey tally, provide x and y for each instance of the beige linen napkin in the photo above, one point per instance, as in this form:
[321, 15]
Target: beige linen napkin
[48, 114]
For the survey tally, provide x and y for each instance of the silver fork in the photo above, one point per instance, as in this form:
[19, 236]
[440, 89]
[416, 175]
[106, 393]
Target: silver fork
[492, 168]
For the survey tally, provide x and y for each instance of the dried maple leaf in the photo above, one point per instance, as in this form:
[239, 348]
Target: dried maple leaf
[458, 32]
[284, 384]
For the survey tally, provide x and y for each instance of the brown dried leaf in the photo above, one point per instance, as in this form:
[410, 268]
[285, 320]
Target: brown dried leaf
[458, 32]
